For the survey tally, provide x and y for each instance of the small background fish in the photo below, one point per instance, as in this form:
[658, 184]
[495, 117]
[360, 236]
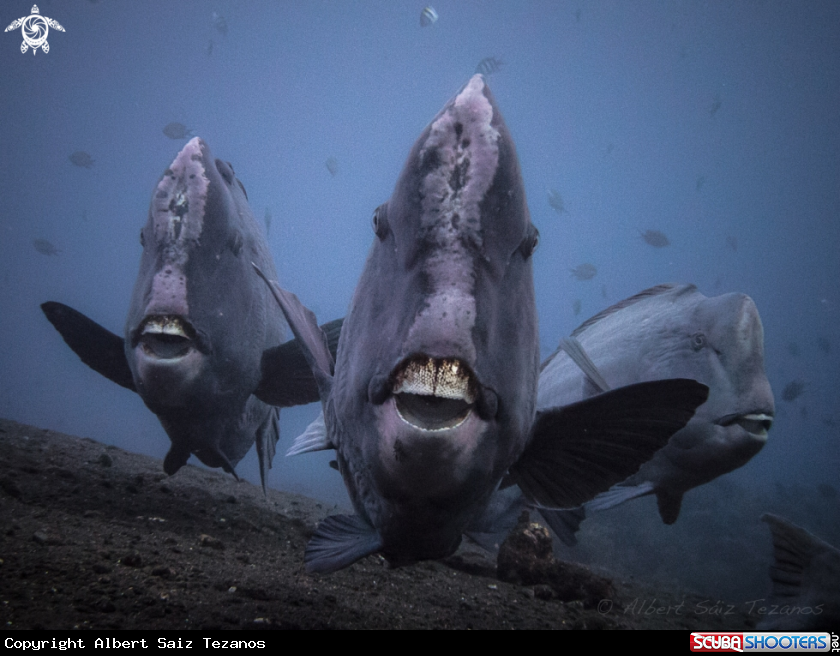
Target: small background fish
[555, 200]
[45, 247]
[82, 159]
[732, 242]
[584, 271]
[655, 238]
[220, 23]
[332, 166]
[793, 390]
[489, 65]
[715, 106]
[428, 16]
[177, 131]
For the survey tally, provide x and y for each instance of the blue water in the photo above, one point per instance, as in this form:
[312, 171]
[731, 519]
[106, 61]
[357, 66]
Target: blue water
[714, 123]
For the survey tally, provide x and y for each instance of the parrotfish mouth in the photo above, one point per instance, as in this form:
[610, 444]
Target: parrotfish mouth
[755, 423]
[434, 394]
[165, 337]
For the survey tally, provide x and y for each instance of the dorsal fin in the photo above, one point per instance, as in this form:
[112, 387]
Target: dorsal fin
[647, 293]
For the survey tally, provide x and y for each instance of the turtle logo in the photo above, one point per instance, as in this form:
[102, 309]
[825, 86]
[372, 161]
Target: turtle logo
[35, 29]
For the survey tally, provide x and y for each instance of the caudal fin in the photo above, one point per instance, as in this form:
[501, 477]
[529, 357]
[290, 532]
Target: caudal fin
[805, 577]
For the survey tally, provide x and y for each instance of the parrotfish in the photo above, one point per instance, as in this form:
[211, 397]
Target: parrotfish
[432, 399]
[672, 331]
[201, 328]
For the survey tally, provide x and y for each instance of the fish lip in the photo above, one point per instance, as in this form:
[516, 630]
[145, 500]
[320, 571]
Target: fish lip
[756, 422]
[433, 394]
[167, 337]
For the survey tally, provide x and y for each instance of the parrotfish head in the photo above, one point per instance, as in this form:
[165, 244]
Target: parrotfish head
[442, 331]
[196, 327]
[726, 351]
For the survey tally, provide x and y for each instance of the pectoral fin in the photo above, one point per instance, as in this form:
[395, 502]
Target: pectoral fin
[340, 541]
[312, 340]
[286, 377]
[579, 450]
[99, 349]
[617, 495]
[314, 438]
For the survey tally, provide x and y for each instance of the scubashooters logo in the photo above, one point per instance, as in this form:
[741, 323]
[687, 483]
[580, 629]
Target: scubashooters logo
[35, 29]
[796, 641]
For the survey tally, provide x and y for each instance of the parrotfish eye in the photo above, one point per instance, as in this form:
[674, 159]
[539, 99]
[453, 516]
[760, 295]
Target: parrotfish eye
[530, 242]
[698, 341]
[380, 222]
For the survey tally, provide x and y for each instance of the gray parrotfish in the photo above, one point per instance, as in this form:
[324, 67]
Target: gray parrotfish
[201, 328]
[671, 331]
[432, 399]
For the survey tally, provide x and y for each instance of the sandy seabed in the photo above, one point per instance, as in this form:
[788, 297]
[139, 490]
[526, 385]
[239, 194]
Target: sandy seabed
[92, 536]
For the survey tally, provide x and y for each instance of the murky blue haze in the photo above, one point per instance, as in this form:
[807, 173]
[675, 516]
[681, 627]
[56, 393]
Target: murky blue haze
[715, 123]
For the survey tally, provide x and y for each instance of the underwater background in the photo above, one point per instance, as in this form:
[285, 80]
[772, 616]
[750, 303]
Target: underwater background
[715, 124]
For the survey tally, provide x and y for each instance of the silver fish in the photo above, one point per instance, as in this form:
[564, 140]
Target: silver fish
[806, 580]
[199, 326]
[428, 16]
[177, 131]
[82, 159]
[671, 331]
[432, 397]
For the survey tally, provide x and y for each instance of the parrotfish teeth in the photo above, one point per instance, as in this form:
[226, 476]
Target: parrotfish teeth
[758, 424]
[165, 325]
[444, 378]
